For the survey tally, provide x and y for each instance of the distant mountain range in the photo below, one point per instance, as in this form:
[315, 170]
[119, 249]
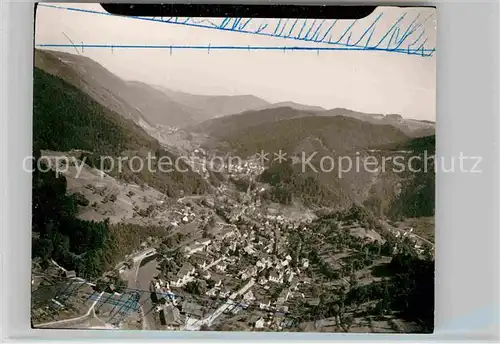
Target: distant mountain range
[293, 105]
[215, 106]
[334, 133]
[66, 119]
[221, 126]
[154, 105]
[157, 105]
[297, 134]
[81, 105]
[133, 100]
[273, 113]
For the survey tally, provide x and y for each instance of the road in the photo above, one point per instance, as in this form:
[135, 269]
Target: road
[215, 262]
[77, 319]
[146, 273]
[413, 235]
[58, 266]
[424, 240]
[229, 303]
[138, 278]
[136, 257]
[191, 197]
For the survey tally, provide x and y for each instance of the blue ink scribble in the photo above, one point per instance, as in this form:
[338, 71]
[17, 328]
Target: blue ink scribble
[420, 51]
[399, 38]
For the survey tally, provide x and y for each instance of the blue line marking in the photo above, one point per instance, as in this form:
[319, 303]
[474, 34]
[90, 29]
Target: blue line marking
[390, 30]
[416, 40]
[310, 28]
[395, 32]
[427, 52]
[369, 28]
[291, 29]
[316, 33]
[245, 24]
[302, 28]
[262, 28]
[224, 23]
[277, 26]
[346, 31]
[328, 31]
[283, 29]
[236, 23]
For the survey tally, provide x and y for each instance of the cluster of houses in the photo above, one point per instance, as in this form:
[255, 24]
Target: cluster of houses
[182, 216]
[252, 248]
[407, 234]
[245, 168]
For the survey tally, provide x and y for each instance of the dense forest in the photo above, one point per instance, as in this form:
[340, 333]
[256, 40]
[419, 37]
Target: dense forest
[409, 293]
[339, 134]
[65, 118]
[59, 235]
[418, 196]
[91, 248]
[289, 184]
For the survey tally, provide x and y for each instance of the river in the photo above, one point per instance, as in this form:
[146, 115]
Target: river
[147, 270]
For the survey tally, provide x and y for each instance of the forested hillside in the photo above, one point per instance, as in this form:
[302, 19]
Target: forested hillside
[390, 192]
[91, 248]
[332, 134]
[65, 118]
[418, 195]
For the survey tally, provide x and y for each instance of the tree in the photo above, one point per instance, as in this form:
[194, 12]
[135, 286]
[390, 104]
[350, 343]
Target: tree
[162, 301]
[42, 248]
[210, 283]
[179, 257]
[347, 322]
[428, 251]
[204, 230]
[179, 237]
[211, 222]
[386, 249]
[196, 287]
[353, 281]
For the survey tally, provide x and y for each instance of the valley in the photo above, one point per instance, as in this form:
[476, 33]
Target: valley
[238, 229]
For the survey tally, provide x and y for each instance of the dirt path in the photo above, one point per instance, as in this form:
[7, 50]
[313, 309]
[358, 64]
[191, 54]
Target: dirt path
[77, 319]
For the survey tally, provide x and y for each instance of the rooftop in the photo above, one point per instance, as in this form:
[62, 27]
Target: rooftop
[172, 315]
[192, 308]
[185, 269]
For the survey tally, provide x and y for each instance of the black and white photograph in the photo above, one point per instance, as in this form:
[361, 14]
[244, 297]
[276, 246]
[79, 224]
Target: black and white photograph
[242, 174]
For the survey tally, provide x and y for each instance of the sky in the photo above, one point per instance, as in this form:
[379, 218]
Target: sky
[368, 81]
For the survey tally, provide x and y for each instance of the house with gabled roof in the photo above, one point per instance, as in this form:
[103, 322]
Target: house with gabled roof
[170, 317]
[283, 297]
[184, 275]
[275, 276]
[264, 303]
[248, 296]
[260, 323]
